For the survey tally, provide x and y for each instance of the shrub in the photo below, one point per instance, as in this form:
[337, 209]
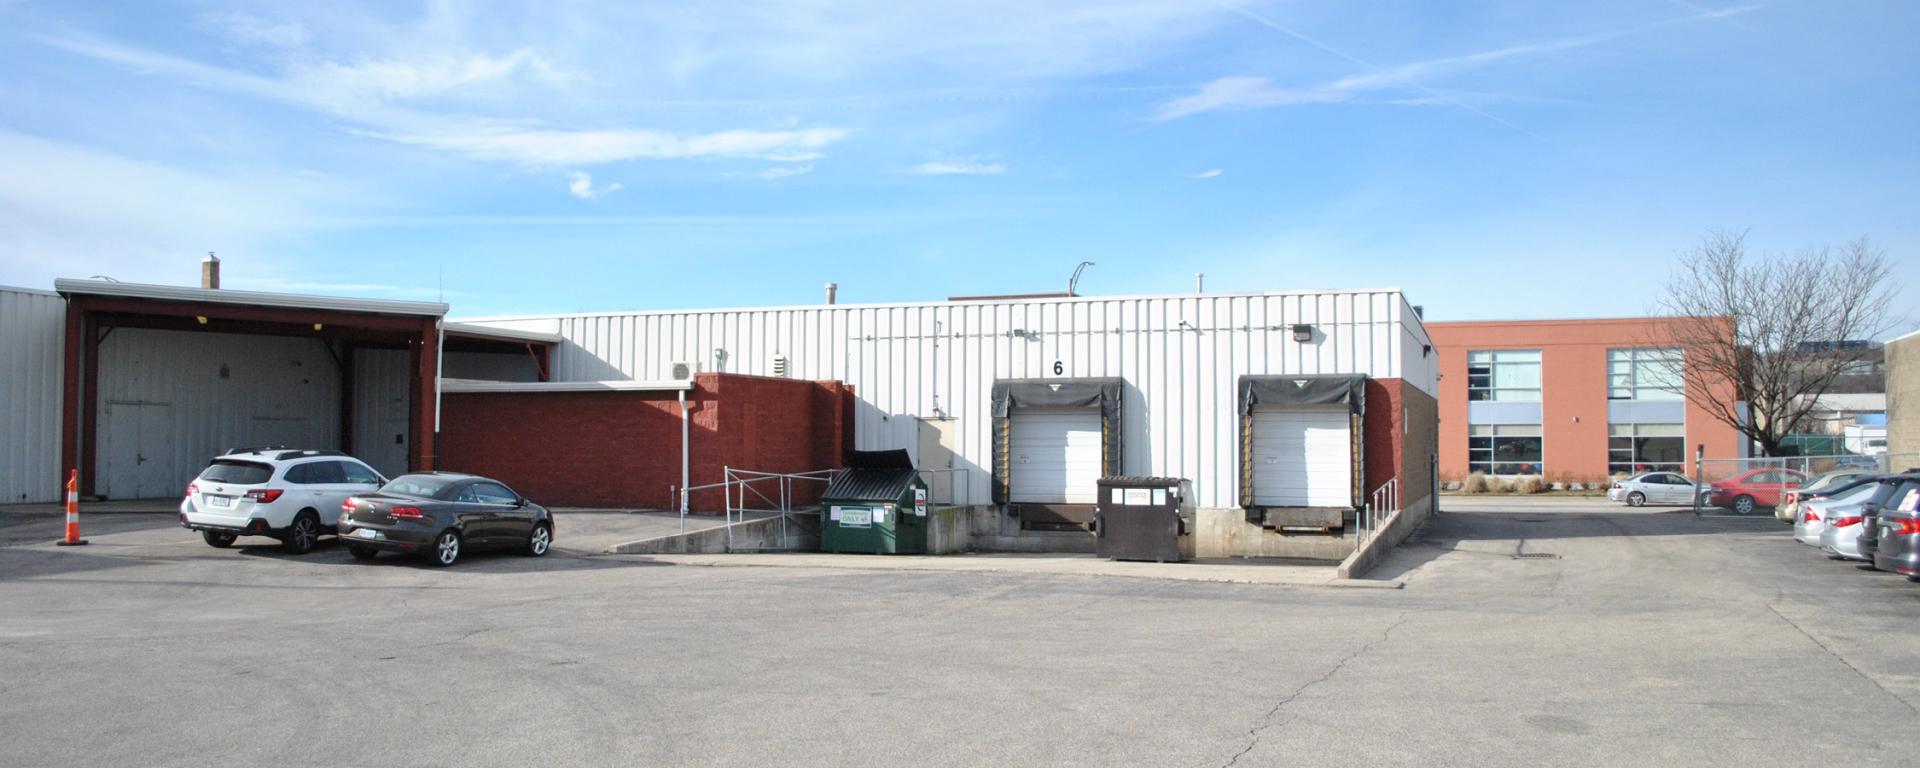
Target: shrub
[1475, 483]
[1529, 484]
[1499, 485]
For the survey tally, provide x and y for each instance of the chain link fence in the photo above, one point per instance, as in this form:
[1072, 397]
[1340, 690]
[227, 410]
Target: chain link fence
[1755, 486]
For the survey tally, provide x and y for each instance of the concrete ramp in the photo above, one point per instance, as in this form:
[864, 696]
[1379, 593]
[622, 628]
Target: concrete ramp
[761, 534]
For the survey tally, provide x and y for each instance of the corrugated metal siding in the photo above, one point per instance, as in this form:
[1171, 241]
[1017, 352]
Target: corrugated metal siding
[225, 390]
[32, 333]
[381, 384]
[1180, 354]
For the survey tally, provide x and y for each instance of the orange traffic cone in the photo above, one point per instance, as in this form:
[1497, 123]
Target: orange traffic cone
[73, 512]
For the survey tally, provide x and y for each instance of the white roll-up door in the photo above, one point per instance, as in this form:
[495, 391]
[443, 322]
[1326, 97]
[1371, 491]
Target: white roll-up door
[1054, 455]
[1302, 457]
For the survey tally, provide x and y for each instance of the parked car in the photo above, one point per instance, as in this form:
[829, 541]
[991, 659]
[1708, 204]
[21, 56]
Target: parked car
[1842, 524]
[1754, 488]
[1894, 542]
[441, 515]
[291, 495]
[1653, 488]
[1788, 508]
[1814, 512]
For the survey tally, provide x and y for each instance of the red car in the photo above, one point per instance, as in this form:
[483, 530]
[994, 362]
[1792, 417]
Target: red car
[1754, 489]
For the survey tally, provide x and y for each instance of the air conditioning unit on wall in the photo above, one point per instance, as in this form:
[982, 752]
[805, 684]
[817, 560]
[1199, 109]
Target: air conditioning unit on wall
[683, 371]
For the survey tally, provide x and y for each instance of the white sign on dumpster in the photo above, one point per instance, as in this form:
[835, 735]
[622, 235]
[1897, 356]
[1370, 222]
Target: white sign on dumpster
[920, 502]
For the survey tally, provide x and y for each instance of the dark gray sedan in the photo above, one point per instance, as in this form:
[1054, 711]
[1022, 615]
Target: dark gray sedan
[441, 515]
[1896, 545]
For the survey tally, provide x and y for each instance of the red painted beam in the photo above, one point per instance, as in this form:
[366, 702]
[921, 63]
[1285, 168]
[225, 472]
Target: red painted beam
[70, 399]
[90, 404]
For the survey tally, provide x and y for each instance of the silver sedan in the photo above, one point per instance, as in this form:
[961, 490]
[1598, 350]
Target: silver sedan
[1653, 488]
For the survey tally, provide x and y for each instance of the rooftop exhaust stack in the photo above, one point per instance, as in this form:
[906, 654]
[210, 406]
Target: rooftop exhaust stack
[1199, 282]
[210, 271]
[832, 288]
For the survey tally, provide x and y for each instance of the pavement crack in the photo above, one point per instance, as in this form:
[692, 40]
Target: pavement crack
[1256, 733]
[1842, 659]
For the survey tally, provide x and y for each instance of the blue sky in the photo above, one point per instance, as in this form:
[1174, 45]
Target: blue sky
[1495, 159]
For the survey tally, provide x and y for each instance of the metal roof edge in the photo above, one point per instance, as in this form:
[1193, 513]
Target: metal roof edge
[491, 332]
[28, 291]
[66, 286]
[457, 386]
[924, 304]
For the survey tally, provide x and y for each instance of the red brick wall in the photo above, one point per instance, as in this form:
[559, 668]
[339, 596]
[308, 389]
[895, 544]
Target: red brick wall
[1399, 431]
[622, 449]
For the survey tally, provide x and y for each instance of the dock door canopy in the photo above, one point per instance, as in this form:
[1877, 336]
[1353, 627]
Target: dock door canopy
[1068, 430]
[1301, 441]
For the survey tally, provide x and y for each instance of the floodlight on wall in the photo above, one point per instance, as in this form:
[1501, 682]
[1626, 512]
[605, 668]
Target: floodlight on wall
[1303, 333]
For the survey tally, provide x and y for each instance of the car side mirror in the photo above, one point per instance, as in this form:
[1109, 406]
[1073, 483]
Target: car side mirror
[519, 501]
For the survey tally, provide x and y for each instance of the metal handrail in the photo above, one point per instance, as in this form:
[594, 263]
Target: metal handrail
[1381, 506]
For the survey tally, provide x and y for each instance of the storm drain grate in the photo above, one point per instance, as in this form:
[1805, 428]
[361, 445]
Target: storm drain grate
[1536, 556]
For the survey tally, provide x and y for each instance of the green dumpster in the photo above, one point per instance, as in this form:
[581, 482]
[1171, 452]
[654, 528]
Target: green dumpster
[878, 505]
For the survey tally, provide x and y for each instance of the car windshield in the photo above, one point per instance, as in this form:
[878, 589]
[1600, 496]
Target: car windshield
[422, 486]
[237, 472]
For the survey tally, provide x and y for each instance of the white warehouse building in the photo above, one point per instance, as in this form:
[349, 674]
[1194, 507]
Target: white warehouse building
[1286, 409]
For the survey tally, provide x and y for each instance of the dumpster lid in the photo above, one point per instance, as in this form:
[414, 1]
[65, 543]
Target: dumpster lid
[873, 476]
[1140, 480]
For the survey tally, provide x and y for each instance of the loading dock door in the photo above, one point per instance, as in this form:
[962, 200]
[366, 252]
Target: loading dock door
[1054, 456]
[1302, 456]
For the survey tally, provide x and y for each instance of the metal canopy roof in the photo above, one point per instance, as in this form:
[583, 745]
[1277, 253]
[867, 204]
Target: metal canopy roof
[65, 287]
[471, 331]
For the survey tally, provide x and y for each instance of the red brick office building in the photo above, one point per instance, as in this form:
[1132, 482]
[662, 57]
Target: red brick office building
[1571, 400]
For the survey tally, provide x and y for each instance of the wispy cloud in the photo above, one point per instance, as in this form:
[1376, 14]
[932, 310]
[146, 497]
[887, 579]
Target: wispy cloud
[786, 171]
[1249, 92]
[1213, 173]
[253, 30]
[580, 185]
[373, 95]
[966, 167]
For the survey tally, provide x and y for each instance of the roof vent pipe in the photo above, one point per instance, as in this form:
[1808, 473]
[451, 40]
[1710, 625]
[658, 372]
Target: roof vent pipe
[210, 271]
[832, 289]
[1199, 282]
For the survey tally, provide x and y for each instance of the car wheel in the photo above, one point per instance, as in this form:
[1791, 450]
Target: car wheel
[362, 551]
[302, 535]
[1636, 499]
[446, 549]
[218, 539]
[1743, 505]
[539, 541]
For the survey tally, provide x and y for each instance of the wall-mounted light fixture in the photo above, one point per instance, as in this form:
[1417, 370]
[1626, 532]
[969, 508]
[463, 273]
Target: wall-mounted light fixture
[1303, 333]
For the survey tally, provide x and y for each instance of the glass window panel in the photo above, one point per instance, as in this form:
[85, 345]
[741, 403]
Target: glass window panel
[1480, 429]
[1517, 429]
[1660, 430]
[1479, 443]
[1516, 376]
[1661, 449]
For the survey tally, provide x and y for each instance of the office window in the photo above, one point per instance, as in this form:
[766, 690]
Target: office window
[1636, 448]
[1505, 449]
[1645, 374]
[1504, 374]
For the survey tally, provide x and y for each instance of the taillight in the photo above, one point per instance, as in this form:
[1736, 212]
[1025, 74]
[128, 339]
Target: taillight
[411, 513]
[1906, 526]
[1616, 486]
[265, 495]
[1810, 518]
[1792, 497]
[192, 488]
[347, 506]
[1842, 522]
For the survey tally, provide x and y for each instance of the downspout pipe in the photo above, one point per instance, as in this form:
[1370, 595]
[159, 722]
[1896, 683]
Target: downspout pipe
[686, 461]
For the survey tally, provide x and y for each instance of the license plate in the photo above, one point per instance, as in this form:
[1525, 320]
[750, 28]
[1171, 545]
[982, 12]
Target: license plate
[367, 533]
[220, 502]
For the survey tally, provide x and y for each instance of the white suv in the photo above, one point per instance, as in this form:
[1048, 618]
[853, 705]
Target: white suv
[291, 495]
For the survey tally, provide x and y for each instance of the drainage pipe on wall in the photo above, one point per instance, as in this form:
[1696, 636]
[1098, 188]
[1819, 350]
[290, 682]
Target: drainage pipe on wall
[685, 460]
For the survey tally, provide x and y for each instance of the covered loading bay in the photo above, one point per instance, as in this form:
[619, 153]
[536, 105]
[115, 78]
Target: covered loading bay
[1302, 456]
[156, 380]
[1053, 439]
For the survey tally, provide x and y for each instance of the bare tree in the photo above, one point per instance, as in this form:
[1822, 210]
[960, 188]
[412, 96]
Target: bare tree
[1772, 328]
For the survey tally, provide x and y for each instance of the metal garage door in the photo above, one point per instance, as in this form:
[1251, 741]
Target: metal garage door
[1302, 457]
[1054, 455]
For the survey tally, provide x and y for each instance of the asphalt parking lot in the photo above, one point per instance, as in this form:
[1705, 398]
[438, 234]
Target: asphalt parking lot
[1530, 632]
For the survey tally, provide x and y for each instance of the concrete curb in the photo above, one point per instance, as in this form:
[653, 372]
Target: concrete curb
[979, 564]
